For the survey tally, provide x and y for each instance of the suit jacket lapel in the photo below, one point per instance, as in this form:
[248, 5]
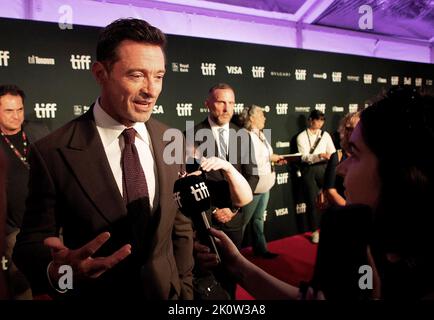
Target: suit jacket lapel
[87, 159]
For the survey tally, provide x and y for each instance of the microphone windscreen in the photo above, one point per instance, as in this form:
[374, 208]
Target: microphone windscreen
[191, 194]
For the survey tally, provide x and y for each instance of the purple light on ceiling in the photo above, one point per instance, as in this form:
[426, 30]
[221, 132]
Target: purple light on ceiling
[231, 26]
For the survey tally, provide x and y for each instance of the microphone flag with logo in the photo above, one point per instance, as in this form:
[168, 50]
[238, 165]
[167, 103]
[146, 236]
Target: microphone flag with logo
[192, 196]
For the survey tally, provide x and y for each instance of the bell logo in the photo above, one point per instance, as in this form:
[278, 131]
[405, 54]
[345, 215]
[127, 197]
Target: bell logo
[394, 80]
[200, 191]
[282, 178]
[281, 108]
[45, 110]
[157, 109]
[258, 72]
[184, 109]
[234, 70]
[208, 69]
[4, 58]
[337, 76]
[300, 74]
[80, 62]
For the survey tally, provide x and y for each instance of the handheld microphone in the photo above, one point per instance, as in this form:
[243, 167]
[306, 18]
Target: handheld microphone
[193, 199]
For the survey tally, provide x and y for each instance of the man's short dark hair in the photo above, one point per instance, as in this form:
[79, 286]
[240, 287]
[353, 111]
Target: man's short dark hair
[126, 29]
[11, 89]
[316, 115]
[220, 86]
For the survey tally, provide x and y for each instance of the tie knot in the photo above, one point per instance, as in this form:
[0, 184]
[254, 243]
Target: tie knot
[129, 135]
[221, 131]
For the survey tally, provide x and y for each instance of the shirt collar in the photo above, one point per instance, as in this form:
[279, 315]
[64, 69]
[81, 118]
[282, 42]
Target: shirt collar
[110, 129]
[215, 126]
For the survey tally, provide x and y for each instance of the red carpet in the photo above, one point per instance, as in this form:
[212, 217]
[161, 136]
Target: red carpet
[294, 264]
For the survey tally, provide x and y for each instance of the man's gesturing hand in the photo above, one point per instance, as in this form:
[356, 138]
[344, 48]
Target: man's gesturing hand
[80, 260]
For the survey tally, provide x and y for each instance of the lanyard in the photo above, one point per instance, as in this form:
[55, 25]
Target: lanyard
[318, 138]
[23, 158]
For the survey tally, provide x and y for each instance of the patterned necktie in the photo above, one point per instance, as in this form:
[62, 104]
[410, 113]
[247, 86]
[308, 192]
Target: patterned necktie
[133, 178]
[223, 148]
[136, 197]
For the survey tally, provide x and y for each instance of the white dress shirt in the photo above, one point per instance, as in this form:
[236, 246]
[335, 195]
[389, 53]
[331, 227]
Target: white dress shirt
[306, 140]
[215, 131]
[112, 139]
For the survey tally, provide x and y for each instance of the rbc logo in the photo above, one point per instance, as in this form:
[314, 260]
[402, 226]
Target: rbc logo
[45, 110]
[80, 62]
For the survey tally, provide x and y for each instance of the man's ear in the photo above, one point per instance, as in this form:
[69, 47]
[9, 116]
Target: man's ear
[99, 72]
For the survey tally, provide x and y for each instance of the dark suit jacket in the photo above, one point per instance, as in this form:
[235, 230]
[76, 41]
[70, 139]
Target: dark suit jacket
[72, 188]
[18, 176]
[242, 162]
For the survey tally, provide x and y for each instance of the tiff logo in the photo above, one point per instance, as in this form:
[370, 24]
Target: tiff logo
[234, 70]
[321, 107]
[282, 178]
[184, 109]
[265, 215]
[300, 208]
[394, 80]
[258, 72]
[177, 198]
[281, 108]
[80, 62]
[300, 74]
[238, 108]
[353, 107]
[367, 78]
[407, 80]
[418, 82]
[208, 69]
[45, 110]
[337, 76]
[4, 58]
[200, 192]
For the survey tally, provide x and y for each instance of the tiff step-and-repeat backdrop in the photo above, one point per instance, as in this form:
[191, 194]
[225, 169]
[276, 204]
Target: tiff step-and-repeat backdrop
[53, 67]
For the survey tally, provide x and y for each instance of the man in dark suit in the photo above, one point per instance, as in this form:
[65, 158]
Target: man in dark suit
[101, 179]
[223, 139]
[16, 136]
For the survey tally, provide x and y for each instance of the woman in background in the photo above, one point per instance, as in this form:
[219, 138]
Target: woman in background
[397, 186]
[253, 121]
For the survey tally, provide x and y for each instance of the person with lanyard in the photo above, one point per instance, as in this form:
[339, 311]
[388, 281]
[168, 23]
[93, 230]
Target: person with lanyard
[253, 120]
[15, 136]
[316, 147]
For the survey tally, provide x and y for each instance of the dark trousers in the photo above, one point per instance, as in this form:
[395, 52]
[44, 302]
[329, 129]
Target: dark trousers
[312, 181]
